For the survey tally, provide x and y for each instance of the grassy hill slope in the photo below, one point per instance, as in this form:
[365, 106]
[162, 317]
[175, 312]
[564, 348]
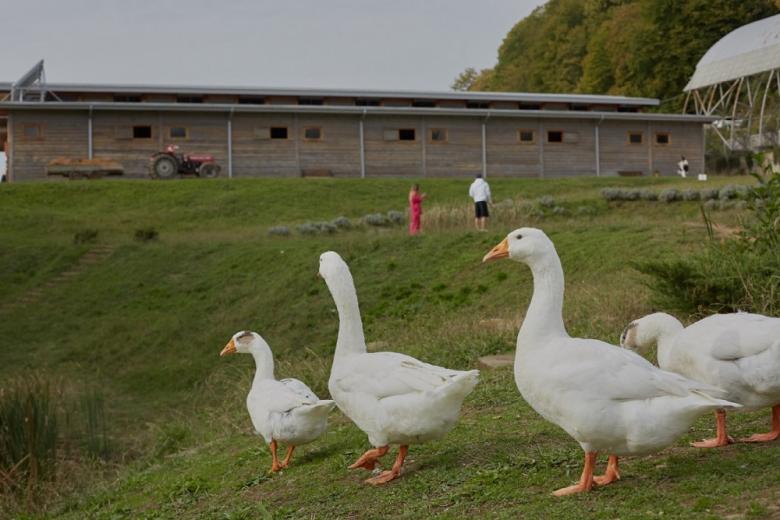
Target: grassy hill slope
[144, 325]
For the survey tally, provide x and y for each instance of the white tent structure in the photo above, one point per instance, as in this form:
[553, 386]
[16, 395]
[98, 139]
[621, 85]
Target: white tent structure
[736, 80]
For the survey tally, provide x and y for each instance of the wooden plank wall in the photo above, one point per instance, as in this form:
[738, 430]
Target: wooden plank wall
[65, 135]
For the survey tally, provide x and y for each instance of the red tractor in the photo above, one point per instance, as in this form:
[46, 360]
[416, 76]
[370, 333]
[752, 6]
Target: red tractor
[170, 163]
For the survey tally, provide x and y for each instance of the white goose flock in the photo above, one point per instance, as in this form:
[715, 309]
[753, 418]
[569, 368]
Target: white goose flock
[609, 399]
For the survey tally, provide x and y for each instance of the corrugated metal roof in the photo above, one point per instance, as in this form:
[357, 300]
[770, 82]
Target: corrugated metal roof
[358, 111]
[747, 50]
[369, 94]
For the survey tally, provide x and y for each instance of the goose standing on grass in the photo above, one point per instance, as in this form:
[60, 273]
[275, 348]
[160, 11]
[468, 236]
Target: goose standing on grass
[281, 411]
[738, 352]
[608, 399]
[393, 398]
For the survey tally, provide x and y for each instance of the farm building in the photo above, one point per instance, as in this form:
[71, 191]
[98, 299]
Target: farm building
[256, 132]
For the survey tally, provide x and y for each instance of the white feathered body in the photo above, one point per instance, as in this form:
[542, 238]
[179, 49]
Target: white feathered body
[739, 353]
[287, 411]
[608, 399]
[396, 399]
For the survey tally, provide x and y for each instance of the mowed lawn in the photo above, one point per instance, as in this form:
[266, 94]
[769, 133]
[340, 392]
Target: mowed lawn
[144, 325]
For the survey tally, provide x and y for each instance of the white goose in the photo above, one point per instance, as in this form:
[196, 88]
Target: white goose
[393, 398]
[737, 352]
[608, 399]
[281, 411]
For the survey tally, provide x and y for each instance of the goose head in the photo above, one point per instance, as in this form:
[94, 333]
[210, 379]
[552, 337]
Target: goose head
[332, 267]
[246, 342]
[641, 334]
[527, 245]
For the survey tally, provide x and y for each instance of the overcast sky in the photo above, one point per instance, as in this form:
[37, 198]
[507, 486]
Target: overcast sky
[397, 44]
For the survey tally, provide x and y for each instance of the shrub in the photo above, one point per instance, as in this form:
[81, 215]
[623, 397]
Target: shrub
[631, 194]
[326, 227]
[342, 223]
[395, 217]
[669, 195]
[546, 201]
[146, 234]
[708, 194]
[281, 231]
[711, 204]
[727, 192]
[737, 273]
[85, 236]
[308, 228]
[586, 211]
[742, 191]
[612, 194]
[560, 211]
[375, 219]
[690, 195]
[649, 195]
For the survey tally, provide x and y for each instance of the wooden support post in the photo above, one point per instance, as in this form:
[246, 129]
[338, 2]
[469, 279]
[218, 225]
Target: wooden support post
[362, 149]
[230, 144]
[484, 149]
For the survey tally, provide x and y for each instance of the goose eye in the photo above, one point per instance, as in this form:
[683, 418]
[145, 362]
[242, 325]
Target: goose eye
[519, 237]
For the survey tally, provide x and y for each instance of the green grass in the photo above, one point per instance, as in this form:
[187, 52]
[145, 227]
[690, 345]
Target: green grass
[147, 324]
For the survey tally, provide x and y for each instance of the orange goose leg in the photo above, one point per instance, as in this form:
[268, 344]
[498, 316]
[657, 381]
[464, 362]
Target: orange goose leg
[611, 475]
[721, 437]
[586, 480]
[772, 435]
[387, 476]
[275, 466]
[286, 461]
[369, 458]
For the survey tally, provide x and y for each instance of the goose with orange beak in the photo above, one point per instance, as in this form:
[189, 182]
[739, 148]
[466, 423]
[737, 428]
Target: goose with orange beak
[392, 397]
[610, 400]
[284, 411]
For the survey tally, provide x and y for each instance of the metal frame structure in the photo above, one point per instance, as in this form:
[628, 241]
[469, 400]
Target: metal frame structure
[733, 82]
[30, 87]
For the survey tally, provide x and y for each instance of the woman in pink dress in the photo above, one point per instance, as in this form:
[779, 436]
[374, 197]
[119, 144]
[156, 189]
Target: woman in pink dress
[415, 209]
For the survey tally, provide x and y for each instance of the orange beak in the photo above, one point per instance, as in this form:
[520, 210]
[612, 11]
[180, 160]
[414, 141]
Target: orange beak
[230, 348]
[500, 251]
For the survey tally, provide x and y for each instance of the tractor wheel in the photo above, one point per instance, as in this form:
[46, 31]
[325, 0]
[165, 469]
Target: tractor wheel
[164, 167]
[208, 170]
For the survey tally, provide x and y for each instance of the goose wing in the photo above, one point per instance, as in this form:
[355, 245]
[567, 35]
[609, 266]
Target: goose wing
[385, 374]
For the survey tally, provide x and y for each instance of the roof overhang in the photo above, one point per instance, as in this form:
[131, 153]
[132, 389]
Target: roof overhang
[356, 111]
[351, 93]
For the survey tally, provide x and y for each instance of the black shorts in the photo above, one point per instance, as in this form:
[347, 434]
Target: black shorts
[481, 209]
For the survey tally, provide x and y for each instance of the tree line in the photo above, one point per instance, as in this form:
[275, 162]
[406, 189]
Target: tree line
[619, 47]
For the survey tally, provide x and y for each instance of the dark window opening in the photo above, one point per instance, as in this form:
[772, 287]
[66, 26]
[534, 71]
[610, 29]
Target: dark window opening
[424, 104]
[477, 104]
[189, 99]
[635, 137]
[142, 132]
[251, 100]
[526, 136]
[312, 133]
[31, 131]
[529, 106]
[127, 99]
[554, 136]
[628, 109]
[367, 102]
[438, 135]
[406, 134]
[582, 108]
[662, 138]
[310, 101]
[278, 132]
[178, 132]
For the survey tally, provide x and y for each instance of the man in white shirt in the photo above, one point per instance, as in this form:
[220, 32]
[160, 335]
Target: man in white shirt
[480, 192]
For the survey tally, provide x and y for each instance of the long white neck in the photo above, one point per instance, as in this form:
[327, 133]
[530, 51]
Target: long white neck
[660, 328]
[350, 339]
[264, 362]
[544, 318]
